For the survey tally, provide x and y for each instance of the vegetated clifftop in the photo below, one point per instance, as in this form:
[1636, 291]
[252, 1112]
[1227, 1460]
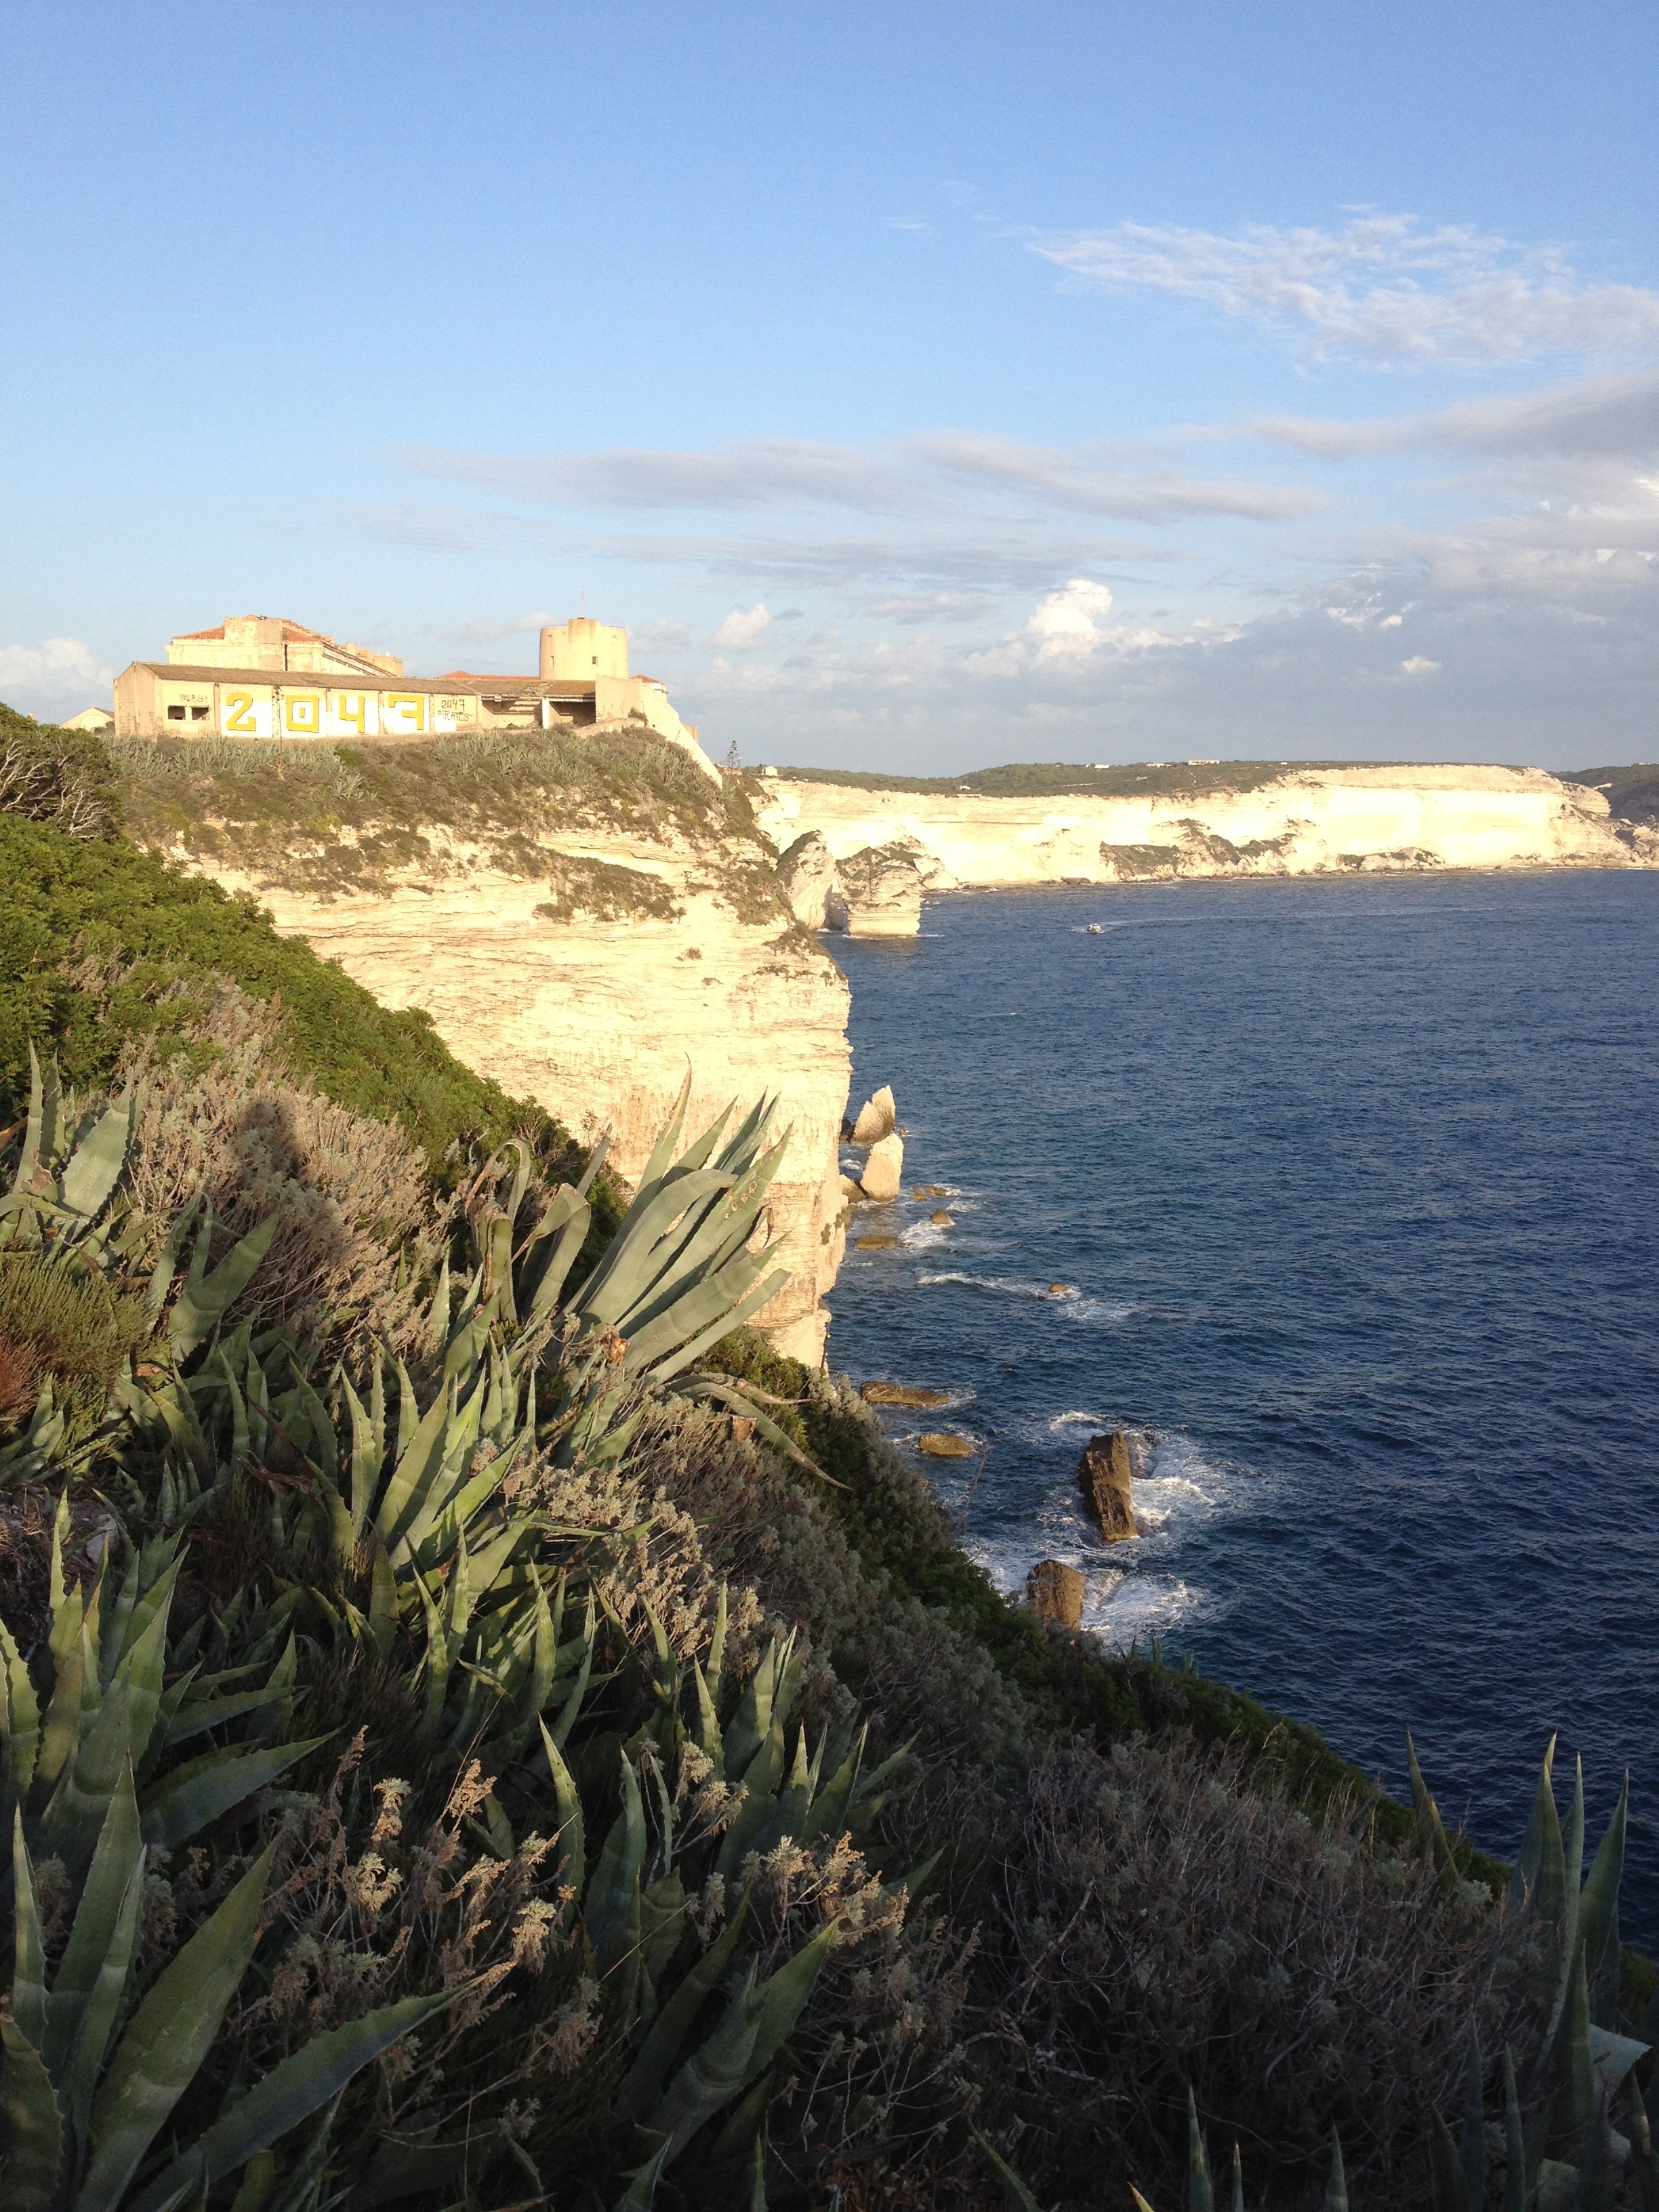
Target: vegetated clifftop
[1042, 823]
[583, 919]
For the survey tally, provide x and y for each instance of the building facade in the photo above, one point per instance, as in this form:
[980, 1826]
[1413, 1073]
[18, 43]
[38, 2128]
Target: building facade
[264, 676]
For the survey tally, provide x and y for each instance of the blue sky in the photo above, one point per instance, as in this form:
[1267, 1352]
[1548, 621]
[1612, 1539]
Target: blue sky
[924, 385]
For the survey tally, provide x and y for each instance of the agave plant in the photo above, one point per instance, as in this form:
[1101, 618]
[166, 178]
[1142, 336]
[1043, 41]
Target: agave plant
[98, 1707]
[94, 2065]
[1565, 2158]
[1200, 2186]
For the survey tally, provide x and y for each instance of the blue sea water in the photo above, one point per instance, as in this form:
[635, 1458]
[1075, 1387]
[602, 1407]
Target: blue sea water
[1356, 1186]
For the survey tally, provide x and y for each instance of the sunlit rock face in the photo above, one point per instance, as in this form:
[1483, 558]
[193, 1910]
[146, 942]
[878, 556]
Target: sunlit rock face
[1302, 821]
[600, 1020]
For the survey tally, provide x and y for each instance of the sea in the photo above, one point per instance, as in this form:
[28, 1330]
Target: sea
[1352, 1189]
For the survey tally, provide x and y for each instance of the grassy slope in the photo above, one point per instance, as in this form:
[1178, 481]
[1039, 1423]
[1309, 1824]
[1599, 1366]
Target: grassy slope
[325, 819]
[1061, 778]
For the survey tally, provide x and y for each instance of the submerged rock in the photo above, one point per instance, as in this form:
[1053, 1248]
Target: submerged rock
[901, 1394]
[1054, 1593]
[940, 1218]
[1105, 1475]
[944, 1444]
[884, 1171]
[874, 1243]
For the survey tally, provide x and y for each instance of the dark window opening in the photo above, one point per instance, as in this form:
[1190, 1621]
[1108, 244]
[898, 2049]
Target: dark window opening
[198, 713]
[176, 713]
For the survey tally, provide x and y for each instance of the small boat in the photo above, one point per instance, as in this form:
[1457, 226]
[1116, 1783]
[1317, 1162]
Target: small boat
[1095, 930]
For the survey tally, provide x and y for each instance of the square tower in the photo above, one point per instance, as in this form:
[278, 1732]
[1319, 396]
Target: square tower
[582, 650]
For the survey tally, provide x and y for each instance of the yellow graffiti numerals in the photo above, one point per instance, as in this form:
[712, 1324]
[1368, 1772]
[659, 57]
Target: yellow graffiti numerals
[407, 704]
[350, 708]
[239, 714]
[302, 713]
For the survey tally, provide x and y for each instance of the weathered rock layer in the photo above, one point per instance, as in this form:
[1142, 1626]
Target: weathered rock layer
[1303, 822]
[599, 1018]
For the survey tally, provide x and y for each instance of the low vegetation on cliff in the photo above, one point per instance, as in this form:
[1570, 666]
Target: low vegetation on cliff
[332, 819]
[480, 1729]
[1063, 778]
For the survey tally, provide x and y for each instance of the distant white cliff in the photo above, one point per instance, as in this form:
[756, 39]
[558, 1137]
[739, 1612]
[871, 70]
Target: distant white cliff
[1311, 821]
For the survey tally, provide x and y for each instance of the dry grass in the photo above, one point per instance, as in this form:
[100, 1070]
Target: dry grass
[358, 1235]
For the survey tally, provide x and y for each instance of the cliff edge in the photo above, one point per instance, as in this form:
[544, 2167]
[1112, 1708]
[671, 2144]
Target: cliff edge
[582, 919]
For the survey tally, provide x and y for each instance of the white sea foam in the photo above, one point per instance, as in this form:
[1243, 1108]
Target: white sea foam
[1086, 1312]
[922, 1236]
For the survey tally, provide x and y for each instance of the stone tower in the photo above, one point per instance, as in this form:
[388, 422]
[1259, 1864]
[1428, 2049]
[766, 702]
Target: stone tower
[582, 650]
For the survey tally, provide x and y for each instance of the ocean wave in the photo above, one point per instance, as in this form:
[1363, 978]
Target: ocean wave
[1074, 1305]
[921, 1236]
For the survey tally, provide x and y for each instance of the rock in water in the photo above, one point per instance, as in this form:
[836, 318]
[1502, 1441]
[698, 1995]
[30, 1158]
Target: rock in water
[806, 877]
[944, 1444]
[877, 1117]
[940, 1218]
[1055, 1594]
[883, 1170]
[1103, 1475]
[874, 1243]
[901, 1394]
[879, 893]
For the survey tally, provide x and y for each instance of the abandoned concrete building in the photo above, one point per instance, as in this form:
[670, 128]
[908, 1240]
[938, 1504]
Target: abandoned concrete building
[262, 676]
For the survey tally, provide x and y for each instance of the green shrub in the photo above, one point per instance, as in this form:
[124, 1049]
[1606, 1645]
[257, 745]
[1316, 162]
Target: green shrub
[153, 943]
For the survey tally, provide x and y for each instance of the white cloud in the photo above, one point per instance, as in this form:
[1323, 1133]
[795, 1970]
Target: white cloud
[659, 637]
[743, 630]
[1604, 417]
[1385, 289]
[1071, 620]
[57, 677]
[1418, 665]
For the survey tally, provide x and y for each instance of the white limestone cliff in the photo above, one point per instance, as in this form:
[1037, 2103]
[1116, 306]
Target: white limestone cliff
[1302, 822]
[600, 1020]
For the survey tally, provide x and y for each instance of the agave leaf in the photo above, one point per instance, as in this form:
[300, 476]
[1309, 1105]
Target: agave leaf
[96, 2020]
[739, 1289]
[611, 1911]
[1452, 2191]
[34, 2126]
[643, 2087]
[20, 1715]
[642, 2189]
[643, 1250]
[1200, 2193]
[1514, 2147]
[28, 1982]
[573, 1867]
[1430, 1826]
[290, 2093]
[95, 1166]
[1572, 2109]
[1598, 1917]
[419, 1461]
[205, 1298]
[119, 1854]
[748, 2038]
[166, 2041]
[566, 1221]
[203, 1789]
[1336, 2189]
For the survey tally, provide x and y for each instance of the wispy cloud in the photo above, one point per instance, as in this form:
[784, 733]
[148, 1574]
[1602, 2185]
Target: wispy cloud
[1385, 289]
[1608, 417]
[791, 472]
[1070, 479]
[928, 474]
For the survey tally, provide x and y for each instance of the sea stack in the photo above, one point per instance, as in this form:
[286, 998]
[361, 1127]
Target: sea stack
[1103, 1477]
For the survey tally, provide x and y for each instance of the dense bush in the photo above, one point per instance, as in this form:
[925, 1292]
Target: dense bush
[104, 951]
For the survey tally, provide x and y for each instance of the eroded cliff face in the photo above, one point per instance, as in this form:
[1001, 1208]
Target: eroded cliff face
[1305, 822]
[598, 1019]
